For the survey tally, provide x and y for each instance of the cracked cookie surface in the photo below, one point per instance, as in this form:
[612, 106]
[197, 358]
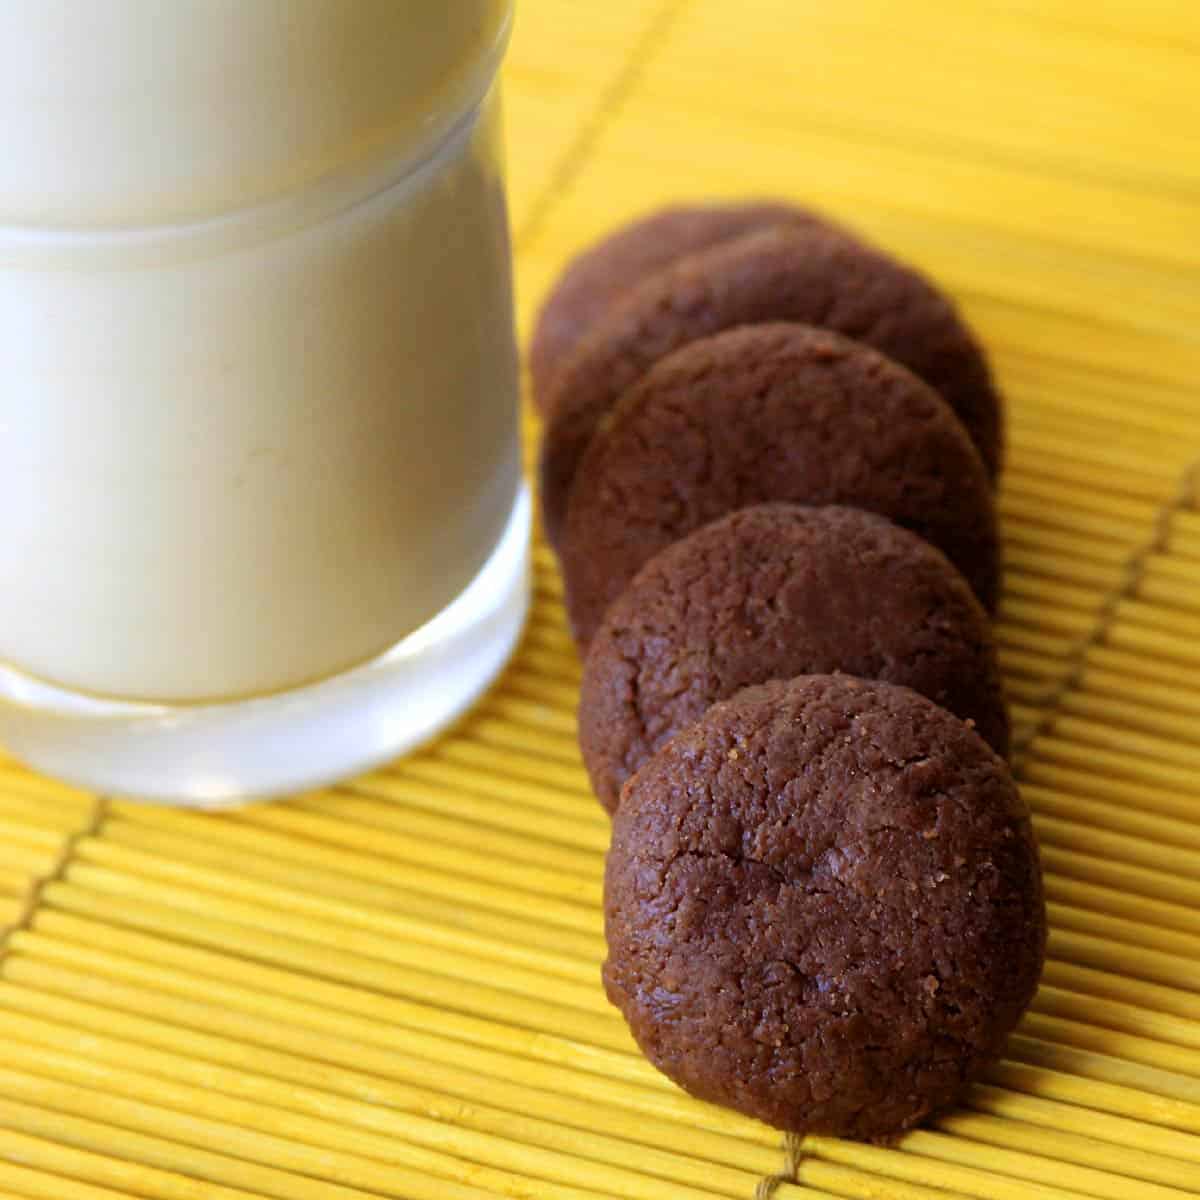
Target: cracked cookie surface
[771, 592]
[823, 906]
[817, 275]
[771, 413]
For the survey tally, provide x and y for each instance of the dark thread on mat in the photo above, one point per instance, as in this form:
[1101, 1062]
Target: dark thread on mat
[793, 1149]
[612, 98]
[32, 899]
[1127, 586]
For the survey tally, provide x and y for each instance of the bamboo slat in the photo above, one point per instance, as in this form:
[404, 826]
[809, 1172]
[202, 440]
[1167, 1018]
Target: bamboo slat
[391, 988]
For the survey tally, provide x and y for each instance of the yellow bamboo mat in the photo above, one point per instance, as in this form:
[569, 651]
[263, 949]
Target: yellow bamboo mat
[390, 988]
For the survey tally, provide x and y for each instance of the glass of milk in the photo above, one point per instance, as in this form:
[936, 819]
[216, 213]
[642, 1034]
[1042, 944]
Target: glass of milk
[261, 514]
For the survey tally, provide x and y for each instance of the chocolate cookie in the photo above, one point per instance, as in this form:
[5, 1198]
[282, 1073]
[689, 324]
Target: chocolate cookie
[824, 906]
[768, 413]
[768, 593]
[611, 267]
[816, 275]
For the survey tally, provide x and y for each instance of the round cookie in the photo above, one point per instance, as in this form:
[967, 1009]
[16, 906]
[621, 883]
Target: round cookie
[771, 413]
[771, 592]
[823, 906]
[598, 276]
[816, 275]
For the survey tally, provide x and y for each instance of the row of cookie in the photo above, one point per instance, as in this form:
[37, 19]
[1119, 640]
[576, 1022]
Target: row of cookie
[823, 902]
[667, 367]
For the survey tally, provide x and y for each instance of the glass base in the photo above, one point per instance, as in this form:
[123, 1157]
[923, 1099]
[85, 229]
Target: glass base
[219, 755]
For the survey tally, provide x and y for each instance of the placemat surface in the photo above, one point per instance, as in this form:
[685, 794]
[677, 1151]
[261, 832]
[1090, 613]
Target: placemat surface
[391, 988]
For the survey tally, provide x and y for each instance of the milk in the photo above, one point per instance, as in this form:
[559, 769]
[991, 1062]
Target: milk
[258, 418]
[127, 113]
